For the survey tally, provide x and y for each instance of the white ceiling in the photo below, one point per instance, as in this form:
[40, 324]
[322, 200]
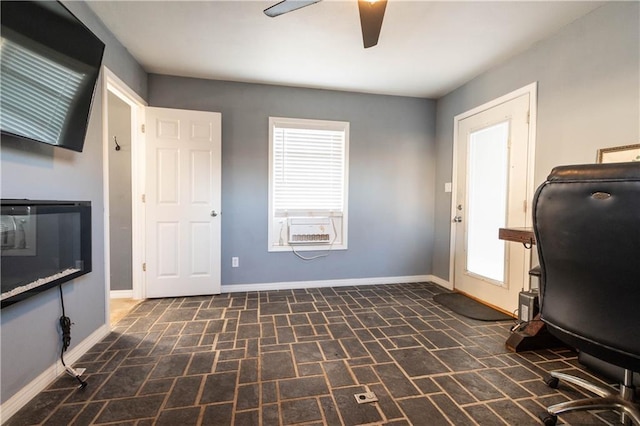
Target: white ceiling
[426, 48]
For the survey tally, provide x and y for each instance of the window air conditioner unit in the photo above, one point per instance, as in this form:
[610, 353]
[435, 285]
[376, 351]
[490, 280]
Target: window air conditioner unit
[310, 230]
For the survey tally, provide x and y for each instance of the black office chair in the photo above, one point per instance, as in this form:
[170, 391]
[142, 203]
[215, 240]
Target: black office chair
[586, 220]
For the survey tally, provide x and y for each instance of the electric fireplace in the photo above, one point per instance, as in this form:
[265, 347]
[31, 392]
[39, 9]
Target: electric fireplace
[44, 244]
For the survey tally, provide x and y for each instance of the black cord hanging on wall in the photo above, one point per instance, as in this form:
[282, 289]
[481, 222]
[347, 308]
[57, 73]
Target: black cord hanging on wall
[116, 141]
[65, 327]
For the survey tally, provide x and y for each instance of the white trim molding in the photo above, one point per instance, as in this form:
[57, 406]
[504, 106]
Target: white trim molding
[121, 294]
[40, 383]
[111, 83]
[296, 285]
[441, 282]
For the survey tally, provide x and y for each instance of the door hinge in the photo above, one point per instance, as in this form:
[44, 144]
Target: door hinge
[524, 205]
[528, 117]
[144, 267]
[144, 198]
[142, 128]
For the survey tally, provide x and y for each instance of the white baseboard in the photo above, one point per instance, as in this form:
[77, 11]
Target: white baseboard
[444, 283]
[121, 294]
[295, 285]
[40, 383]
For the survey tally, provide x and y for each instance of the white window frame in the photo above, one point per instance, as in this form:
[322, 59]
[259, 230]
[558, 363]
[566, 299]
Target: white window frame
[278, 221]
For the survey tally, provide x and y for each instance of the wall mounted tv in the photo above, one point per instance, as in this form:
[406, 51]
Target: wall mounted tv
[49, 66]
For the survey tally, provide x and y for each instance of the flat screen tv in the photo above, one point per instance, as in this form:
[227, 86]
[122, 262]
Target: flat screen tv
[50, 62]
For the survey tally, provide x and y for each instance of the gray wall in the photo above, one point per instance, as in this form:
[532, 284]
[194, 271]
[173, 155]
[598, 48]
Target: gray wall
[391, 177]
[119, 119]
[588, 98]
[28, 330]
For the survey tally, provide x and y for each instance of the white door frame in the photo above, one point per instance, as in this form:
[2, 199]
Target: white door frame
[112, 84]
[532, 90]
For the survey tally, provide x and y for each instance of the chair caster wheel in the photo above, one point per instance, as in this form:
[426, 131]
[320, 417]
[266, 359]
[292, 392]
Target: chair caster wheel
[552, 382]
[549, 419]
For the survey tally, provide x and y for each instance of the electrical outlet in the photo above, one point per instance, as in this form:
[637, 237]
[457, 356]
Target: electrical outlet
[235, 262]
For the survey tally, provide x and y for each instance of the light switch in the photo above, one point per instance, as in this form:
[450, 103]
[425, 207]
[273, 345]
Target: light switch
[447, 187]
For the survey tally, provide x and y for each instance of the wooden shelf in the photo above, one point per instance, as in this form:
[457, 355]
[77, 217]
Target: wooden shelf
[518, 235]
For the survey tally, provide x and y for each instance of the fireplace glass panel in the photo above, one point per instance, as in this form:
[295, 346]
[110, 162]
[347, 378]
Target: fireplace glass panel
[44, 244]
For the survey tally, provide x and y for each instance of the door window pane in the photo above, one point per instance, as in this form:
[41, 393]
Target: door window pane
[487, 200]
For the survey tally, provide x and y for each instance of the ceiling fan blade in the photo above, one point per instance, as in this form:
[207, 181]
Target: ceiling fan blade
[286, 6]
[371, 15]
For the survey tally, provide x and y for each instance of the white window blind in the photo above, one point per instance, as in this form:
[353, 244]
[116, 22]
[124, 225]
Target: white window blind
[36, 93]
[308, 167]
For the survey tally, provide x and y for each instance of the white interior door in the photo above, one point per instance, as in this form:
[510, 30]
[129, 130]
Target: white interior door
[491, 193]
[182, 202]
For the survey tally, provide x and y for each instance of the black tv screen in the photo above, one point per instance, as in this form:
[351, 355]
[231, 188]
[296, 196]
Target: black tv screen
[49, 66]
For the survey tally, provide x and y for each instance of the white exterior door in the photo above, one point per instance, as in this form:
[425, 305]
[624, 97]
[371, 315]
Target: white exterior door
[491, 193]
[183, 186]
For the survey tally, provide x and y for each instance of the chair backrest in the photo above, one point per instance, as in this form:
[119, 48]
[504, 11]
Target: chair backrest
[586, 221]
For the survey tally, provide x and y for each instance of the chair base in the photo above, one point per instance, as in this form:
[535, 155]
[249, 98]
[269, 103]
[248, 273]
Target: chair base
[622, 403]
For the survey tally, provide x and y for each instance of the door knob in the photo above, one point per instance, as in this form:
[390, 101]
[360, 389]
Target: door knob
[214, 213]
[457, 219]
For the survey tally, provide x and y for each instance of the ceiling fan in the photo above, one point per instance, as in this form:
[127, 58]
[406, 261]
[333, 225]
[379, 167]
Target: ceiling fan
[371, 15]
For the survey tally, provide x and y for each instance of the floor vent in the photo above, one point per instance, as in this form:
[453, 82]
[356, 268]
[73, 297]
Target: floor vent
[366, 397]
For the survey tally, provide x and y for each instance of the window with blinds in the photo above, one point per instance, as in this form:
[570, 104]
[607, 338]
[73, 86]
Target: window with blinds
[308, 176]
